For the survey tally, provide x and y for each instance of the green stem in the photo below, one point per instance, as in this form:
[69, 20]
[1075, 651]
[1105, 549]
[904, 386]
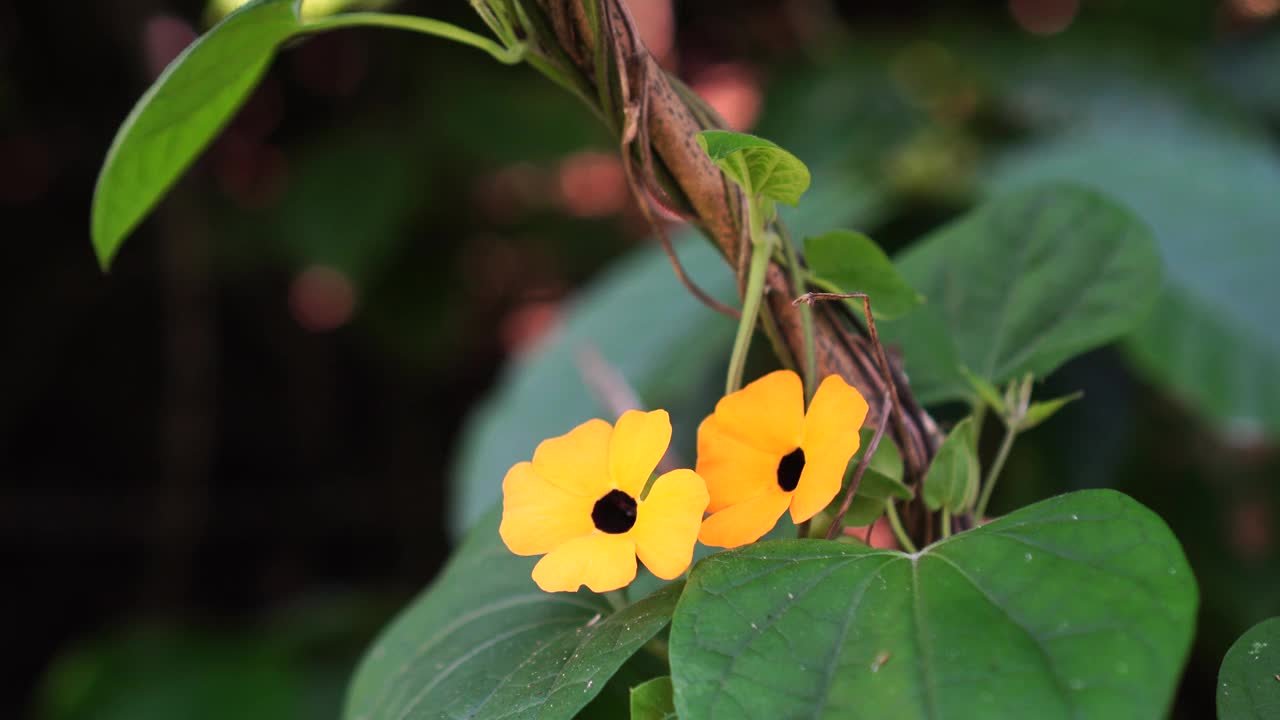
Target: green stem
[979, 414]
[809, 361]
[946, 523]
[989, 483]
[506, 55]
[617, 599]
[903, 541]
[760, 252]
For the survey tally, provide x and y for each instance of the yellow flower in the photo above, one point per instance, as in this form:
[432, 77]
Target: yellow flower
[760, 453]
[579, 503]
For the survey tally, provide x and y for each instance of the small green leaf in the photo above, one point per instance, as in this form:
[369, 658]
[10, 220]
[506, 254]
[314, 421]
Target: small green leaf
[986, 391]
[483, 641]
[1038, 412]
[874, 489]
[1081, 606]
[1249, 680]
[887, 461]
[853, 262]
[652, 700]
[762, 168]
[1022, 284]
[952, 478]
[185, 107]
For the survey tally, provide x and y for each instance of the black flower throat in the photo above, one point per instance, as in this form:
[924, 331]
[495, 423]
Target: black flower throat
[789, 469]
[614, 513]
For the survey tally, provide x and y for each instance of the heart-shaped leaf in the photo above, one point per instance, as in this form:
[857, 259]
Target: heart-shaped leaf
[852, 262]
[1021, 284]
[653, 700]
[761, 167]
[1079, 606]
[952, 478]
[1249, 680]
[484, 642]
[1209, 193]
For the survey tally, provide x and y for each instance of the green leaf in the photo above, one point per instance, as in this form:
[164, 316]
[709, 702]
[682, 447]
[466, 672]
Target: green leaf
[484, 642]
[952, 478]
[200, 91]
[1081, 606]
[181, 112]
[666, 345]
[853, 262]
[873, 491]
[1249, 680]
[761, 167]
[653, 701]
[881, 481]
[1208, 193]
[887, 461]
[1022, 284]
[1038, 412]
[987, 392]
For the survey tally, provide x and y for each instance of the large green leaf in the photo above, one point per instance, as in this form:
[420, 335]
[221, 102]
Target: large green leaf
[1081, 606]
[645, 325]
[484, 642]
[173, 121]
[1209, 193]
[1021, 284]
[1249, 680]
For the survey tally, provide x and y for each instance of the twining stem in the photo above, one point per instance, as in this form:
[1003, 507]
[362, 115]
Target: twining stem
[993, 474]
[946, 523]
[837, 523]
[761, 250]
[505, 55]
[809, 361]
[903, 540]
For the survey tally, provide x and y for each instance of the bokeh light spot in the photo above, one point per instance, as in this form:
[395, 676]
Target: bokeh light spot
[321, 299]
[1044, 17]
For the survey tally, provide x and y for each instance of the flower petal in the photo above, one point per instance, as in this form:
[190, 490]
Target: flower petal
[638, 443]
[819, 483]
[577, 461]
[835, 414]
[667, 523]
[745, 522]
[538, 516]
[734, 471]
[831, 426]
[601, 561]
[767, 414]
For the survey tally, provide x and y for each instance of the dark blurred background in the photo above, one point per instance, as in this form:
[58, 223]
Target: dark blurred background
[225, 464]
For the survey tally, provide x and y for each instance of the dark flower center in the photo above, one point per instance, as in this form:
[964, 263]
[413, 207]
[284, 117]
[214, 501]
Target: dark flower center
[614, 513]
[789, 468]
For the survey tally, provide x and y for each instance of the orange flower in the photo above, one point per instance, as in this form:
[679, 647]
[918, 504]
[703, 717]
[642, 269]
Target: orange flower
[760, 453]
[579, 503]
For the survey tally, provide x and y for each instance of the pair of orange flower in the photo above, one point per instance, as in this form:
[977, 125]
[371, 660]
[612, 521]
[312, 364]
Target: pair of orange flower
[581, 502]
